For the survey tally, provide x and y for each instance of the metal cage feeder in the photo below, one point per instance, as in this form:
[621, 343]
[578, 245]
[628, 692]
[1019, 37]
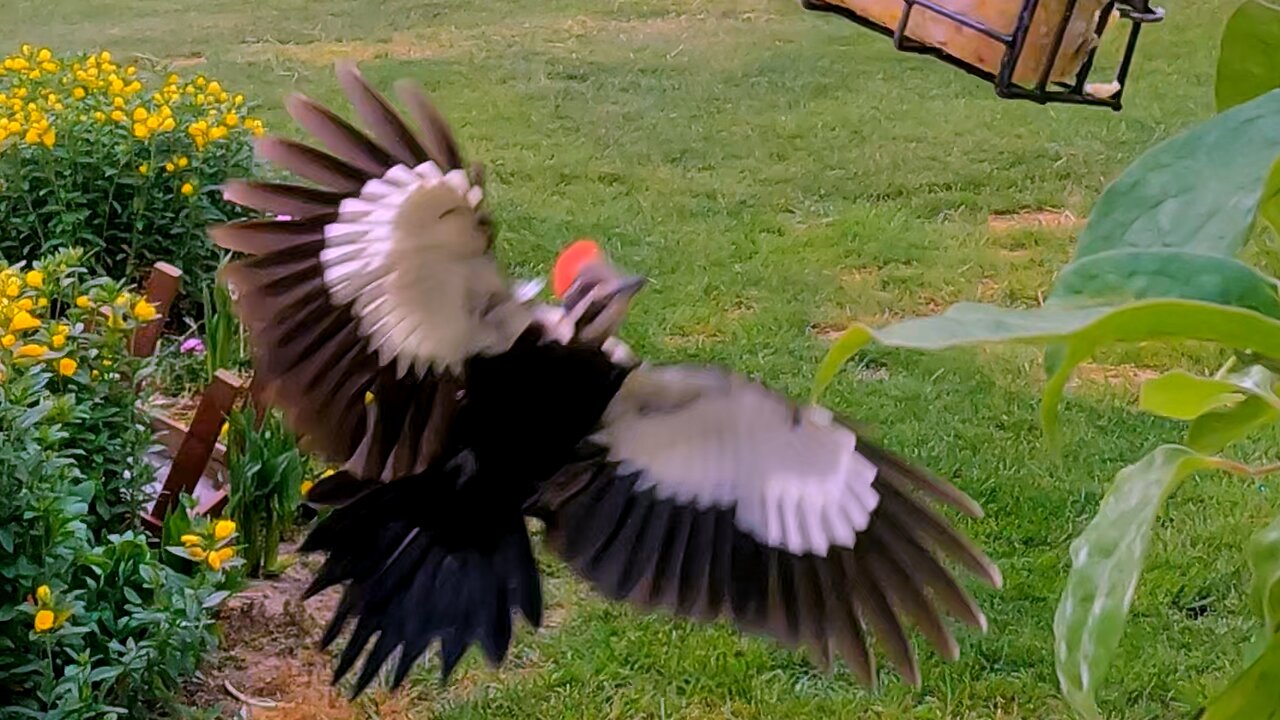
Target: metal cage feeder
[1044, 53]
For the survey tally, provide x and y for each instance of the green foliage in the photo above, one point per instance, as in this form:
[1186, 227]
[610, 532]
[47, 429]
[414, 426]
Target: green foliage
[1156, 262]
[120, 161]
[1106, 560]
[92, 624]
[266, 472]
[1249, 64]
[224, 339]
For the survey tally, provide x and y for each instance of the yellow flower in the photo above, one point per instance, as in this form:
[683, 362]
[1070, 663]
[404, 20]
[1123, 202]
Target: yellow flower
[23, 321]
[117, 102]
[217, 133]
[189, 540]
[222, 432]
[99, 116]
[104, 56]
[217, 557]
[49, 137]
[169, 167]
[83, 301]
[42, 302]
[238, 99]
[13, 288]
[183, 161]
[32, 350]
[230, 119]
[214, 88]
[223, 529]
[139, 114]
[44, 55]
[306, 487]
[122, 299]
[77, 93]
[196, 553]
[130, 71]
[44, 594]
[141, 131]
[8, 340]
[168, 125]
[57, 341]
[144, 311]
[25, 304]
[142, 169]
[35, 278]
[188, 189]
[172, 79]
[44, 621]
[117, 115]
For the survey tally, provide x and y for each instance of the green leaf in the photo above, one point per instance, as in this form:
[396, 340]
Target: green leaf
[1249, 61]
[1079, 330]
[1264, 564]
[1106, 561]
[1215, 430]
[1270, 204]
[1198, 191]
[1252, 695]
[1183, 396]
[1119, 276]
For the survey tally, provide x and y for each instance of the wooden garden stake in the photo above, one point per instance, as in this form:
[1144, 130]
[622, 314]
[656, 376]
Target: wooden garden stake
[198, 443]
[162, 288]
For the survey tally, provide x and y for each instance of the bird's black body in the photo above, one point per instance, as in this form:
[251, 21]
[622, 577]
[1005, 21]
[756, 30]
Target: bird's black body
[459, 407]
[456, 532]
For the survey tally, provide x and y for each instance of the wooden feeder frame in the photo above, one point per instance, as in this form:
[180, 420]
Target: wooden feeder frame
[1137, 12]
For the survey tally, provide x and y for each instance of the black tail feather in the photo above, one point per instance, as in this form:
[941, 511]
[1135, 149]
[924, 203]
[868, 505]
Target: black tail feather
[424, 558]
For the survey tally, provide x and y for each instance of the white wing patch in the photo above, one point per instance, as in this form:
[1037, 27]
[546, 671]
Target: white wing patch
[408, 254]
[795, 479]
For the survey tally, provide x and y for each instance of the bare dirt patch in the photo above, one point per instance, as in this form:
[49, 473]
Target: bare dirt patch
[268, 665]
[1126, 377]
[1030, 219]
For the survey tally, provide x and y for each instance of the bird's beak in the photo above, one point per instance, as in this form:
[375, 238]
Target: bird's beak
[627, 288]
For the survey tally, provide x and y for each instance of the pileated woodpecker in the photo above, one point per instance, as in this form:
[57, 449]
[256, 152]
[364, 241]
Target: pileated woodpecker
[679, 487]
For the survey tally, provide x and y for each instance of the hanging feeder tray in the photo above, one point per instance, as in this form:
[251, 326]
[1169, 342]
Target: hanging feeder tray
[1038, 50]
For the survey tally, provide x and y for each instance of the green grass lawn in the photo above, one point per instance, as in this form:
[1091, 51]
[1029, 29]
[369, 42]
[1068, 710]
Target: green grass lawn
[777, 174]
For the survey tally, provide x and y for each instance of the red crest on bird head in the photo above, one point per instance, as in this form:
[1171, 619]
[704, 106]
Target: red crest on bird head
[570, 263]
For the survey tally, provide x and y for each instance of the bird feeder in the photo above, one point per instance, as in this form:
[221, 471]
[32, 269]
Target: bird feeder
[1038, 50]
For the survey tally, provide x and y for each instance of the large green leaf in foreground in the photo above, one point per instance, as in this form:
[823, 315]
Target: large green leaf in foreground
[1080, 331]
[1249, 63]
[1198, 191]
[1106, 561]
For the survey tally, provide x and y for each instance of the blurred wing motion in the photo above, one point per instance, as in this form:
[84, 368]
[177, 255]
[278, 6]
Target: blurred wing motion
[708, 495]
[676, 487]
[380, 282]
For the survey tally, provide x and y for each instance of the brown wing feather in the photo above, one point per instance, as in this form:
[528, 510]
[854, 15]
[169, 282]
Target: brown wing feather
[309, 355]
[608, 526]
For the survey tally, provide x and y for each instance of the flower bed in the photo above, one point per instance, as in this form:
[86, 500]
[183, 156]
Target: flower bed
[121, 161]
[93, 621]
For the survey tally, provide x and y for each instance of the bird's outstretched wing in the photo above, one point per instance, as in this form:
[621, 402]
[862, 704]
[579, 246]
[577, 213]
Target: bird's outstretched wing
[381, 280]
[709, 495]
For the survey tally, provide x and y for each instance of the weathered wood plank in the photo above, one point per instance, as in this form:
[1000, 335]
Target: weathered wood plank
[199, 441]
